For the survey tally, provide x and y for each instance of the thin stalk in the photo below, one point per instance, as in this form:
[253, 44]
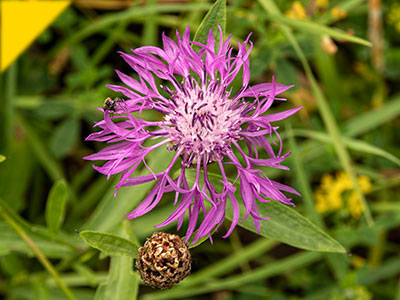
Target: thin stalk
[238, 247]
[230, 263]
[39, 231]
[326, 114]
[98, 25]
[9, 113]
[398, 290]
[39, 254]
[288, 264]
[336, 262]
[303, 180]
[375, 34]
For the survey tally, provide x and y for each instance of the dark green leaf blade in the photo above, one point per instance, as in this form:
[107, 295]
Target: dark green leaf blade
[64, 137]
[122, 282]
[55, 206]
[318, 29]
[110, 244]
[285, 223]
[354, 144]
[290, 227]
[215, 16]
[372, 119]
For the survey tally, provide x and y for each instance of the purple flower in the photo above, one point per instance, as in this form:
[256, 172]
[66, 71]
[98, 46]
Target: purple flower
[203, 123]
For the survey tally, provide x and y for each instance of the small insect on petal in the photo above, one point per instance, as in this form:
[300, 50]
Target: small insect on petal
[110, 104]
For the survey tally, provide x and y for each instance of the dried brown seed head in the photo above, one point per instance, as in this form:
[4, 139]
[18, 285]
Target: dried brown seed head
[163, 260]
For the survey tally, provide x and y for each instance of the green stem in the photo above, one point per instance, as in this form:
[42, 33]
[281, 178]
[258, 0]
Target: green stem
[39, 231]
[238, 247]
[326, 114]
[336, 262]
[302, 178]
[290, 263]
[11, 86]
[230, 263]
[39, 254]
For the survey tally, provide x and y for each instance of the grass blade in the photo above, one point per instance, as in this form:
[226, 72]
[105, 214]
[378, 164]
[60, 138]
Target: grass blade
[303, 180]
[122, 283]
[55, 206]
[39, 254]
[318, 29]
[326, 114]
[354, 144]
[373, 118]
[285, 224]
[284, 265]
[110, 244]
[215, 16]
[111, 210]
[108, 20]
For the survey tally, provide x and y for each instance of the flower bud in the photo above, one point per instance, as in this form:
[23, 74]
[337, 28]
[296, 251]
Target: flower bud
[163, 260]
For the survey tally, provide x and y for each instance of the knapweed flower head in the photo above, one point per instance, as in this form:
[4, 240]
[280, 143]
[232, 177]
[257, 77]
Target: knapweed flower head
[203, 123]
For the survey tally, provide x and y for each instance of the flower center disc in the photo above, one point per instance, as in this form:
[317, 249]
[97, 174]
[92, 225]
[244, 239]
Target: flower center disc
[203, 121]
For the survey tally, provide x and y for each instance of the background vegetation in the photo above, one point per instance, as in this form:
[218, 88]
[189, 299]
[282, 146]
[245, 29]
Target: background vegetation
[344, 162]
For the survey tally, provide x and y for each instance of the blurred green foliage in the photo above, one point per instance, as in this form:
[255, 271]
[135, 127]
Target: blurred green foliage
[350, 93]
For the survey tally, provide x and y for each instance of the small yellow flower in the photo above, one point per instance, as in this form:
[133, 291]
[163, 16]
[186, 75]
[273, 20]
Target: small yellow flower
[357, 261]
[338, 13]
[322, 3]
[393, 16]
[355, 205]
[297, 11]
[329, 195]
[364, 183]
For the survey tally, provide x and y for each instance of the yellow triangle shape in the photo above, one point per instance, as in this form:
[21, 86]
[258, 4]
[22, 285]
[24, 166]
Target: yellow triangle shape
[22, 22]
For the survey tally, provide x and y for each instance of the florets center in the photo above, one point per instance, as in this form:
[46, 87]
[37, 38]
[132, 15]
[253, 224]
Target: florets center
[203, 120]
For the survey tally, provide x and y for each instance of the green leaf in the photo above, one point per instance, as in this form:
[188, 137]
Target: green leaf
[286, 73]
[318, 29]
[11, 242]
[351, 143]
[389, 269]
[290, 227]
[14, 184]
[303, 180]
[64, 137]
[39, 149]
[349, 6]
[281, 266]
[2, 158]
[373, 118]
[199, 242]
[229, 263]
[53, 110]
[110, 244]
[86, 273]
[215, 16]
[136, 11]
[285, 223]
[55, 207]
[323, 106]
[111, 210]
[122, 283]
[337, 262]
[62, 239]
